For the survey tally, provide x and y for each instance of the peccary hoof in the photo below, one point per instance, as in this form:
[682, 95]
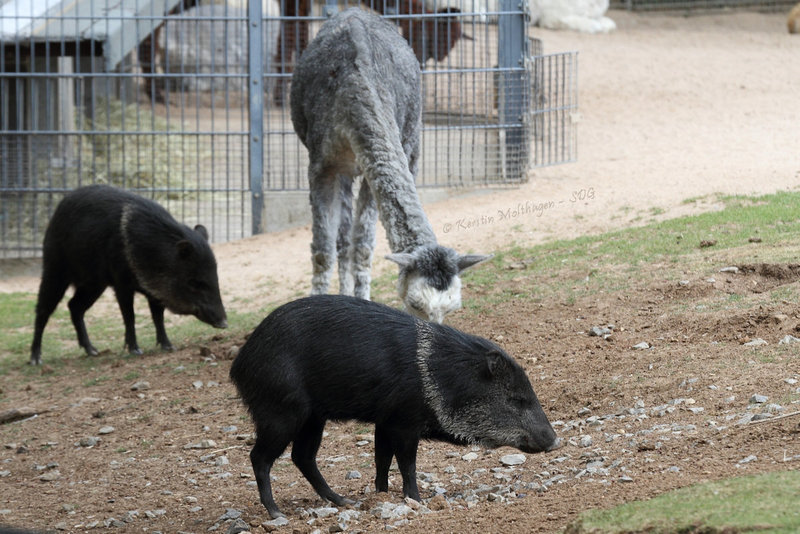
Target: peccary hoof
[91, 351]
[135, 352]
[35, 360]
[167, 347]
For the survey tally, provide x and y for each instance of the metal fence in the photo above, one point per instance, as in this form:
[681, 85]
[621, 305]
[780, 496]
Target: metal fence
[188, 103]
[690, 6]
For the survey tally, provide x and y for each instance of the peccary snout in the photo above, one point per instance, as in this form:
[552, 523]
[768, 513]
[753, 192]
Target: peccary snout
[334, 357]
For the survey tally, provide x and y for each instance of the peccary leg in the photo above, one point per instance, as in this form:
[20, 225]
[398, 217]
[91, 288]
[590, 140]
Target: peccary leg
[383, 458]
[51, 291]
[325, 221]
[364, 240]
[157, 312]
[343, 242]
[263, 455]
[83, 299]
[405, 449]
[304, 455]
[125, 301]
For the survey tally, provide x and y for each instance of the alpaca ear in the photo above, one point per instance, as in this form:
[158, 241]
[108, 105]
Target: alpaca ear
[200, 229]
[468, 260]
[403, 259]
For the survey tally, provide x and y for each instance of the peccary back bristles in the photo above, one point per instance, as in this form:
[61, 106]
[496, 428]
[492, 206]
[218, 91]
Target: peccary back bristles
[339, 358]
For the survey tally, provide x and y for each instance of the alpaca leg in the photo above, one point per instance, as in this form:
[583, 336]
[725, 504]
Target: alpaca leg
[325, 221]
[364, 239]
[343, 242]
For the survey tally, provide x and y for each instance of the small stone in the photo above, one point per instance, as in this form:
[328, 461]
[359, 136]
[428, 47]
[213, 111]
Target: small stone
[61, 525]
[189, 499]
[470, 456]
[221, 460]
[732, 269]
[788, 340]
[790, 381]
[348, 515]
[779, 318]
[275, 524]
[748, 459]
[231, 353]
[745, 419]
[754, 239]
[599, 331]
[625, 478]
[325, 511]
[755, 343]
[584, 411]
[585, 441]
[106, 430]
[237, 526]
[197, 384]
[352, 475]
[50, 476]
[758, 399]
[90, 441]
[231, 428]
[4, 474]
[642, 346]
[140, 386]
[512, 459]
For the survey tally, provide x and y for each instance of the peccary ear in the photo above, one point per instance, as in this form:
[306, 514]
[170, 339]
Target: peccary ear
[185, 249]
[200, 229]
[493, 361]
[403, 259]
[468, 260]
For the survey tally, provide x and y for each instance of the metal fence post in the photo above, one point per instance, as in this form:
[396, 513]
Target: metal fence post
[512, 90]
[255, 92]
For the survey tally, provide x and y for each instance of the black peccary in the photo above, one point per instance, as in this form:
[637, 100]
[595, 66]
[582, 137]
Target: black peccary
[341, 358]
[102, 236]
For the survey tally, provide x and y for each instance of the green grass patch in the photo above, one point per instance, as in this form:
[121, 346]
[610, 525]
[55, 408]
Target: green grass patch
[763, 503]
[609, 261]
[106, 330]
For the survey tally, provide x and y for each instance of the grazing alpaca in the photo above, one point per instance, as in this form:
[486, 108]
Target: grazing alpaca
[356, 105]
[430, 37]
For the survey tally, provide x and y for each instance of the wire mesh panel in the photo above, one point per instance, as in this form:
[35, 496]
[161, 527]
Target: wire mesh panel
[148, 95]
[479, 114]
[187, 102]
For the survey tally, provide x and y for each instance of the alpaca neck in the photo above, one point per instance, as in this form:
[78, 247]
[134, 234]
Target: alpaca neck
[399, 208]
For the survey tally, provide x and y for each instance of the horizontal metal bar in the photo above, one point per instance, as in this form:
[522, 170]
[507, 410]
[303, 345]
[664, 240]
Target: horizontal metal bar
[77, 133]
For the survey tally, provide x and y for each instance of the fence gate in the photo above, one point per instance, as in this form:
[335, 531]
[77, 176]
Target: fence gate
[186, 102]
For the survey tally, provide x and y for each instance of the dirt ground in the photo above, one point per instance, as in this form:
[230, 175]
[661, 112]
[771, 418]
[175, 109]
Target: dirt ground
[672, 108]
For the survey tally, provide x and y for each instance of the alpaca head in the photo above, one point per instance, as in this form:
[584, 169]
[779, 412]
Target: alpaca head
[429, 283]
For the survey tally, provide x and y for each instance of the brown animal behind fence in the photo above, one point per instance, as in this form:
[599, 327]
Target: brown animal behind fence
[429, 37]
